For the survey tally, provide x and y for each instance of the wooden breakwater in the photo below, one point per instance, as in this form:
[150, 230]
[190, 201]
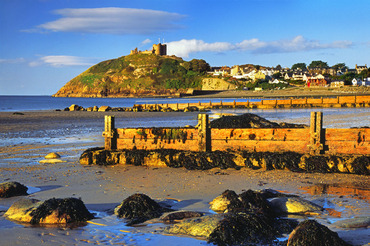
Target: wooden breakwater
[314, 140]
[336, 102]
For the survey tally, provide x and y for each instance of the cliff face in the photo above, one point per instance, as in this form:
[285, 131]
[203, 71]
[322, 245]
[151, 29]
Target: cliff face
[134, 75]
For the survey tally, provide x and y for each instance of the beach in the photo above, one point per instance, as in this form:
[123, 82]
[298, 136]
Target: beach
[31, 135]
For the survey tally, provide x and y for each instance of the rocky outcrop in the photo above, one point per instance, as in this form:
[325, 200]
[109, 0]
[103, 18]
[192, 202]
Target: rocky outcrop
[250, 121]
[52, 211]
[137, 75]
[9, 189]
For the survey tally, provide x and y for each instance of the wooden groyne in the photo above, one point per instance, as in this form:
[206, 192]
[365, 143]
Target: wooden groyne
[314, 140]
[336, 102]
[311, 149]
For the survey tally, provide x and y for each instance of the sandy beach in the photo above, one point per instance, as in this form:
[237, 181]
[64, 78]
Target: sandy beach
[29, 137]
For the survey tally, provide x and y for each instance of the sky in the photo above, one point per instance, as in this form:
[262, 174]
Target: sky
[46, 43]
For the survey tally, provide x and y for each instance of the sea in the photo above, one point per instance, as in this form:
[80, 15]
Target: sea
[359, 116]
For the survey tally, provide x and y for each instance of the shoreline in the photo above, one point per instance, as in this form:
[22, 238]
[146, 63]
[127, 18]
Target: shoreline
[102, 188]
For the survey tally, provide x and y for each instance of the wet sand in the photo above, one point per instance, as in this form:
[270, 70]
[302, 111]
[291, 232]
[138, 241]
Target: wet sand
[103, 188]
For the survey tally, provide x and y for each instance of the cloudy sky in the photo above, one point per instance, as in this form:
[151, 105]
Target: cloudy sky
[45, 43]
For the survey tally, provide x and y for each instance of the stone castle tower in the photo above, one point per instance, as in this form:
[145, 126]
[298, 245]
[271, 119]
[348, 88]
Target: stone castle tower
[158, 49]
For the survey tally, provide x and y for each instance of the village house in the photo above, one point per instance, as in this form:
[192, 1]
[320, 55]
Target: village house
[318, 80]
[359, 69]
[359, 82]
[339, 83]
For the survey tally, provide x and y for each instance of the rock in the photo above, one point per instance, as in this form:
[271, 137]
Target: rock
[9, 189]
[290, 205]
[52, 211]
[196, 227]
[75, 107]
[254, 201]
[353, 223]
[138, 208]
[104, 108]
[244, 229]
[309, 232]
[249, 200]
[51, 161]
[52, 155]
[243, 121]
[221, 203]
[21, 210]
[179, 215]
[228, 229]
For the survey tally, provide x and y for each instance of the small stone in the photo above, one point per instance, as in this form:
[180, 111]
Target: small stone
[52, 155]
[75, 107]
[104, 108]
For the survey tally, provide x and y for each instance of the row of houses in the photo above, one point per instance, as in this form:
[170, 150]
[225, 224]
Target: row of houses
[313, 77]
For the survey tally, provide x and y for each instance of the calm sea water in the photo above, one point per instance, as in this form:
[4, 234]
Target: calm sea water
[27, 103]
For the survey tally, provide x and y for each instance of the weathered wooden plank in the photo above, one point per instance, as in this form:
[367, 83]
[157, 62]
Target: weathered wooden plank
[359, 135]
[260, 146]
[278, 134]
[347, 147]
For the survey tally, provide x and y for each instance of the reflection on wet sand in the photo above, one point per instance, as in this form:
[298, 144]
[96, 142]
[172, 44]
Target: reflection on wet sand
[355, 190]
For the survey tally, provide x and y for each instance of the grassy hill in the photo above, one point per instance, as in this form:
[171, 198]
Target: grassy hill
[135, 76]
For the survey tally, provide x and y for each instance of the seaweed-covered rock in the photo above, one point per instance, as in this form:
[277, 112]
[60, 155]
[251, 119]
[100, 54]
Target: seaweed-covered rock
[179, 215]
[243, 121]
[138, 208]
[292, 205]
[221, 203]
[9, 189]
[21, 210]
[196, 227]
[243, 229]
[309, 232]
[249, 200]
[52, 211]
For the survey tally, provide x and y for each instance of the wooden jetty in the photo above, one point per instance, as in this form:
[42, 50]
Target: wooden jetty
[335, 102]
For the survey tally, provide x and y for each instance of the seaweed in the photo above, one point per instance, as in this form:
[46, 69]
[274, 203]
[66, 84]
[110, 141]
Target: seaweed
[138, 208]
[310, 232]
[71, 209]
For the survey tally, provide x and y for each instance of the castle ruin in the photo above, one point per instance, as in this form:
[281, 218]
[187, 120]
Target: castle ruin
[158, 49]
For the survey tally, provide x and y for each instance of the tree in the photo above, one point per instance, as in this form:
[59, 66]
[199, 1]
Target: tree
[340, 66]
[197, 65]
[278, 67]
[319, 64]
[300, 66]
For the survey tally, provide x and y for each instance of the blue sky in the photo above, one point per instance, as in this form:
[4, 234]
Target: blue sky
[45, 43]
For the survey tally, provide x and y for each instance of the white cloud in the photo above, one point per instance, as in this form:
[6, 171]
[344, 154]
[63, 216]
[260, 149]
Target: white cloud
[184, 47]
[62, 61]
[146, 41]
[112, 21]
[12, 61]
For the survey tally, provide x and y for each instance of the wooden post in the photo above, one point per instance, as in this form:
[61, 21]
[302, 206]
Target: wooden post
[317, 139]
[234, 105]
[109, 133]
[204, 131]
